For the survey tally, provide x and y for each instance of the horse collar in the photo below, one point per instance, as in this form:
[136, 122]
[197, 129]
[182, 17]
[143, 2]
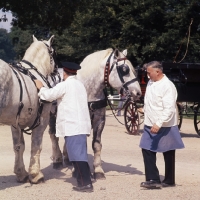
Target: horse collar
[107, 71]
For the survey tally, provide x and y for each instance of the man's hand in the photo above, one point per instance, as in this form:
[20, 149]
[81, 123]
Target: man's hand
[38, 84]
[155, 129]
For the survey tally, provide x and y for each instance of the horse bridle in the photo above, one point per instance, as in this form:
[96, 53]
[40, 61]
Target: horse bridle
[122, 70]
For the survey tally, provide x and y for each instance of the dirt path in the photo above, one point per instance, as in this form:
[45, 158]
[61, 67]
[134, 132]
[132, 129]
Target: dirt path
[121, 160]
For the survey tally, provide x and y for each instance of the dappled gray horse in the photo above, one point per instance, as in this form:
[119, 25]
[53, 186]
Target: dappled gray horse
[20, 107]
[98, 71]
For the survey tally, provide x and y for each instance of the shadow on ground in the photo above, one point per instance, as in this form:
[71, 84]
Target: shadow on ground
[192, 135]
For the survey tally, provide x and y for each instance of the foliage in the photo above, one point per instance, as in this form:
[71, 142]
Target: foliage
[149, 29]
[44, 13]
[6, 50]
[21, 40]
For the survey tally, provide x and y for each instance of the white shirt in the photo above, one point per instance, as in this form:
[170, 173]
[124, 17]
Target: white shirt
[73, 115]
[160, 103]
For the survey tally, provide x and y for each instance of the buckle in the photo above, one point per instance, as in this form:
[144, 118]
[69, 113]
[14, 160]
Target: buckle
[90, 106]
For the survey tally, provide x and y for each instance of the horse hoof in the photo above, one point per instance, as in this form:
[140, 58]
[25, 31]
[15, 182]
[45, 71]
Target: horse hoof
[41, 180]
[99, 176]
[57, 165]
[24, 180]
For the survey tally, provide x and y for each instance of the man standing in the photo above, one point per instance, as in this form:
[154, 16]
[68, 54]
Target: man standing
[73, 121]
[161, 133]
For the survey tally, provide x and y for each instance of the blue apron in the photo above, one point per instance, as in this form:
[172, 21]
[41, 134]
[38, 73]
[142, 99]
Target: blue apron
[167, 138]
[77, 147]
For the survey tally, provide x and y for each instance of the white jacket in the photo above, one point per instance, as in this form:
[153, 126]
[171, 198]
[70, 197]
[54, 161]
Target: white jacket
[160, 103]
[72, 115]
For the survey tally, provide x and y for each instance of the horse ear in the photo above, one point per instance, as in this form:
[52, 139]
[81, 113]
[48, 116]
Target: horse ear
[34, 39]
[116, 53]
[50, 41]
[125, 52]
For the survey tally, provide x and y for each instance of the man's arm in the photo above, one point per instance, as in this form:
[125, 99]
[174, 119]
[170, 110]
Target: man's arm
[50, 94]
[38, 84]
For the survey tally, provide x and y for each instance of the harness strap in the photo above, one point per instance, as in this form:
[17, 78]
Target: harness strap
[107, 70]
[94, 105]
[129, 82]
[21, 105]
[41, 75]
[36, 123]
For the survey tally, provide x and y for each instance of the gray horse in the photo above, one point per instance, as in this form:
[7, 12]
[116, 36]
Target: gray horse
[20, 107]
[98, 71]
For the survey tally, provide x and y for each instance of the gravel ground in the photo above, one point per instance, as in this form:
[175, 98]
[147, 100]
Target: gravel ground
[121, 160]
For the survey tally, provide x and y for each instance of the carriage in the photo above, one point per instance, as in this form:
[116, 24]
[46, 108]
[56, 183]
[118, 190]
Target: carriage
[185, 76]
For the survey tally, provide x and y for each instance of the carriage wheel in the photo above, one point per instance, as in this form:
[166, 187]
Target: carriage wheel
[197, 118]
[131, 118]
[180, 115]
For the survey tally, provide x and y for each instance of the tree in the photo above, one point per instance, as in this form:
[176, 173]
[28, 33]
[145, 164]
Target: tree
[6, 49]
[54, 15]
[149, 29]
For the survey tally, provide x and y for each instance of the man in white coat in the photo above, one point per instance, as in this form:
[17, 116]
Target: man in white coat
[73, 120]
[161, 133]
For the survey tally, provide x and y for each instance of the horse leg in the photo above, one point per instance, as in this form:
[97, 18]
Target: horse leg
[35, 175]
[56, 152]
[19, 167]
[98, 123]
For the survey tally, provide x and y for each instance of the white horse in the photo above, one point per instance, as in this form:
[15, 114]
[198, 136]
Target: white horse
[20, 107]
[99, 70]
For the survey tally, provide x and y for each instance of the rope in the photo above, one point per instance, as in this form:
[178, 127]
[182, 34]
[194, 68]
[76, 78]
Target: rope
[188, 32]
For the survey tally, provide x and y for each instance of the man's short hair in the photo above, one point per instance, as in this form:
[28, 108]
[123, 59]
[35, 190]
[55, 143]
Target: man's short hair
[153, 64]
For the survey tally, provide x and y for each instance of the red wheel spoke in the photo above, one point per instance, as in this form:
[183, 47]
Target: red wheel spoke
[131, 118]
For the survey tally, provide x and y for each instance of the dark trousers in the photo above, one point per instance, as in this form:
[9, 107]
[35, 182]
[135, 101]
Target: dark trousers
[82, 173]
[151, 170]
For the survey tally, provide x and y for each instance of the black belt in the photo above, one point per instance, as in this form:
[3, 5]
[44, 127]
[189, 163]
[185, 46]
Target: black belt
[94, 105]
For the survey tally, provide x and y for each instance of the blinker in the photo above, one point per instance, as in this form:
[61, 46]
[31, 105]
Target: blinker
[124, 69]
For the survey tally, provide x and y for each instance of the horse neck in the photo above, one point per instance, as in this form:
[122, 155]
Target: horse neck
[40, 59]
[94, 84]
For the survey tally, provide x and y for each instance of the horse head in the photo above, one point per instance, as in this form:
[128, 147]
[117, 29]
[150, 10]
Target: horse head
[41, 55]
[121, 75]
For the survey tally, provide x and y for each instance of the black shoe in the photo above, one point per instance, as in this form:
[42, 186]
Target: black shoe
[151, 184]
[92, 178]
[86, 188]
[168, 184]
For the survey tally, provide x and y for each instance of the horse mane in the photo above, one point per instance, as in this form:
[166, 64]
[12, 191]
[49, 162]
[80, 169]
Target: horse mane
[91, 63]
[95, 57]
[38, 55]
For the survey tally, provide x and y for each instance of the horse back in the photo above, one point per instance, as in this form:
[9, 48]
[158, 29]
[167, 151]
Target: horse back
[6, 84]
[10, 93]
